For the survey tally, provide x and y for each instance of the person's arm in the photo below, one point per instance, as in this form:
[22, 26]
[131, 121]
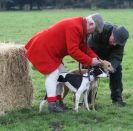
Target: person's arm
[116, 56]
[73, 40]
[91, 53]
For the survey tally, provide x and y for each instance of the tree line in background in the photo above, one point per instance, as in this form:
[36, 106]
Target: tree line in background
[45, 4]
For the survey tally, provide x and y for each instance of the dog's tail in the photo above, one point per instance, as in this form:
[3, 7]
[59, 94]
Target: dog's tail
[62, 79]
[45, 97]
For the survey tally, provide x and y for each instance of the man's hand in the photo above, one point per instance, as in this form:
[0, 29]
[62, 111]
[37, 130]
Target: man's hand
[95, 62]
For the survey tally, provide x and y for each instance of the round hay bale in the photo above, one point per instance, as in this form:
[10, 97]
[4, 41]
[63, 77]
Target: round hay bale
[16, 89]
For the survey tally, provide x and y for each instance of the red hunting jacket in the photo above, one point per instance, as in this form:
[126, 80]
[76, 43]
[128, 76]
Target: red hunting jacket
[47, 48]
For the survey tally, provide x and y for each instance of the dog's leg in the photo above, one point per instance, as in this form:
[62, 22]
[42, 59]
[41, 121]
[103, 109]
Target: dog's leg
[77, 98]
[65, 91]
[85, 100]
[81, 89]
[94, 90]
[93, 100]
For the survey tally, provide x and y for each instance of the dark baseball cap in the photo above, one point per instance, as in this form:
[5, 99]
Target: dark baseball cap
[120, 34]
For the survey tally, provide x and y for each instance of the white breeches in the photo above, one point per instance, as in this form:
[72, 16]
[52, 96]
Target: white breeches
[54, 88]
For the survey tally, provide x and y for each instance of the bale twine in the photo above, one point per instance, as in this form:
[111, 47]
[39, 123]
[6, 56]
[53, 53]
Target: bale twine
[16, 89]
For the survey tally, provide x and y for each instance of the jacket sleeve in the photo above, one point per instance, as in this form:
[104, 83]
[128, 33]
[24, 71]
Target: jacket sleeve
[91, 53]
[116, 56]
[73, 41]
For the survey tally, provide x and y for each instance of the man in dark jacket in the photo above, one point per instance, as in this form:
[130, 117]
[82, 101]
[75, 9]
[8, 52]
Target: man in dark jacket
[109, 45]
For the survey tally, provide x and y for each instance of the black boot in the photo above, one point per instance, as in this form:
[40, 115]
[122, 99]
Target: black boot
[55, 107]
[119, 103]
[62, 105]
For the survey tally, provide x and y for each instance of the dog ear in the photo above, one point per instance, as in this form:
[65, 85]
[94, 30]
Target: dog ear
[97, 71]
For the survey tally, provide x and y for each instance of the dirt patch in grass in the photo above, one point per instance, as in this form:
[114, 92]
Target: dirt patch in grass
[55, 126]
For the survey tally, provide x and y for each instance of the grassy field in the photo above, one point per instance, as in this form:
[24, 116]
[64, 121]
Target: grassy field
[19, 27]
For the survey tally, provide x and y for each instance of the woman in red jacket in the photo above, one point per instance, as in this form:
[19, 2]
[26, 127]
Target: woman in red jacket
[47, 49]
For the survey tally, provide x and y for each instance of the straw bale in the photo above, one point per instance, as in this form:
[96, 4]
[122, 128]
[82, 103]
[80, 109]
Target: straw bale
[16, 89]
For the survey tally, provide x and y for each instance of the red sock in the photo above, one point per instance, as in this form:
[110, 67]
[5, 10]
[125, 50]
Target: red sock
[59, 97]
[52, 99]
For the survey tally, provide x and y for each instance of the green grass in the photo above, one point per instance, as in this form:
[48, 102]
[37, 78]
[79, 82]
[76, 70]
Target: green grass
[19, 27]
